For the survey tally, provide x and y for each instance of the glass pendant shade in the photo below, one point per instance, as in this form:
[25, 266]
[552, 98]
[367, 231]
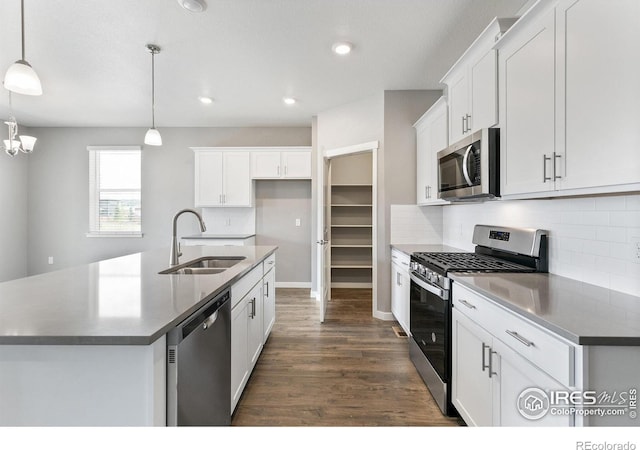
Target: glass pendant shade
[28, 142]
[153, 137]
[22, 79]
[11, 147]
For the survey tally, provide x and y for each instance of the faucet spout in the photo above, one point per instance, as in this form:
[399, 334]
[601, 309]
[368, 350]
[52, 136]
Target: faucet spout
[175, 245]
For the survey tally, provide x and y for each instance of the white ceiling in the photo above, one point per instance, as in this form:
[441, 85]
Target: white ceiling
[246, 54]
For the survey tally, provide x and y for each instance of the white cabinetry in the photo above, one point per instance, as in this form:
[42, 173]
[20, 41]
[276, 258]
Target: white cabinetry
[431, 137]
[252, 317]
[400, 288]
[496, 355]
[568, 99]
[269, 295]
[472, 84]
[222, 178]
[277, 163]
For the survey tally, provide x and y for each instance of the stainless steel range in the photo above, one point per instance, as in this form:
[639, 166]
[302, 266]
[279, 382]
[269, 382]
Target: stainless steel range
[498, 249]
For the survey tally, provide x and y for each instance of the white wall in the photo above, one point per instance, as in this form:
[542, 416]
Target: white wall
[278, 204]
[13, 218]
[388, 118]
[592, 239]
[58, 187]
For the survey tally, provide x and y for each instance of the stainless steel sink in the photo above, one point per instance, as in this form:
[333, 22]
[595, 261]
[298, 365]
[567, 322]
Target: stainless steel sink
[206, 265]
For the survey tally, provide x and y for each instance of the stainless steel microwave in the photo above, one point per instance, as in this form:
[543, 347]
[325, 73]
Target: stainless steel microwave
[470, 168]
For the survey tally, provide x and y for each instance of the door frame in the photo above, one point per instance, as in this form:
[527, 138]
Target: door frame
[366, 147]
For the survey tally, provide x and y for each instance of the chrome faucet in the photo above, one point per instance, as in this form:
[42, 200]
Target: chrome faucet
[175, 245]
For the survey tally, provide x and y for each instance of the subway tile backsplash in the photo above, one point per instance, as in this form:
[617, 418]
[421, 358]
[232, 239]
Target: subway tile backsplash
[411, 224]
[591, 239]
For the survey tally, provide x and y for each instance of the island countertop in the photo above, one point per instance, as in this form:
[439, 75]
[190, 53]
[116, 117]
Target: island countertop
[583, 313]
[119, 301]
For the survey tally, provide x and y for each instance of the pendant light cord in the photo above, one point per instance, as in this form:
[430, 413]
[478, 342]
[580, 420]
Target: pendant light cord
[153, 90]
[22, 22]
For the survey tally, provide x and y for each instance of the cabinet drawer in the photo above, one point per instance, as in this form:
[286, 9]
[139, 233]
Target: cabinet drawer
[400, 258]
[244, 285]
[269, 262]
[542, 348]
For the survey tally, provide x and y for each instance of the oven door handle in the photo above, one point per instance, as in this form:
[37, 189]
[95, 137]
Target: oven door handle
[427, 287]
[465, 165]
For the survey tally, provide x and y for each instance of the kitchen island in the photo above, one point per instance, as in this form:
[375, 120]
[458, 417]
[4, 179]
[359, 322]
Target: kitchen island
[86, 345]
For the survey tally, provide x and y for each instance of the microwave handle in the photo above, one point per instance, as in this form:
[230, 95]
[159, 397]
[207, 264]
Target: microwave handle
[465, 165]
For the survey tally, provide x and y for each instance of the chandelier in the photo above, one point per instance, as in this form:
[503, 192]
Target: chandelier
[16, 142]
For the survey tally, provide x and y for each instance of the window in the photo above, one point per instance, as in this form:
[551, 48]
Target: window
[115, 206]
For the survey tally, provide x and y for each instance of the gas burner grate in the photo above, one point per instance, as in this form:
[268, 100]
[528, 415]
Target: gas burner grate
[469, 262]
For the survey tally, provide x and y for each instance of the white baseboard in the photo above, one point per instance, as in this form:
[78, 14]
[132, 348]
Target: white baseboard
[348, 285]
[293, 284]
[314, 294]
[384, 315]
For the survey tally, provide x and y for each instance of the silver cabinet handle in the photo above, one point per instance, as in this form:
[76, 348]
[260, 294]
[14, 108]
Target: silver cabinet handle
[491, 353]
[398, 282]
[252, 314]
[220, 199]
[484, 364]
[468, 126]
[545, 178]
[515, 335]
[405, 263]
[285, 169]
[267, 287]
[465, 162]
[278, 170]
[555, 158]
[463, 127]
[467, 304]
[426, 192]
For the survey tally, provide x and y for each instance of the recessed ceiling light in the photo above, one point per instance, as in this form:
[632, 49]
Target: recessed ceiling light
[205, 100]
[193, 5]
[342, 48]
[289, 100]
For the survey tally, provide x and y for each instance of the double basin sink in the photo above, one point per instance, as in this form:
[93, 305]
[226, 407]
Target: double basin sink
[206, 265]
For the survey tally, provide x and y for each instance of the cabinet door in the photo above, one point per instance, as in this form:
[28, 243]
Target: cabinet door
[515, 375]
[395, 292]
[438, 140]
[471, 385]
[255, 327]
[601, 44]
[265, 165]
[269, 300]
[423, 164]
[208, 179]
[237, 179]
[239, 351]
[484, 92]
[297, 164]
[527, 125]
[458, 99]
[403, 293]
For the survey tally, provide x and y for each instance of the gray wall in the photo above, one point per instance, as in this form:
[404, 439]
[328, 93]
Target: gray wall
[58, 187]
[387, 118]
[278, 204]
[13, 218]
[356, 169]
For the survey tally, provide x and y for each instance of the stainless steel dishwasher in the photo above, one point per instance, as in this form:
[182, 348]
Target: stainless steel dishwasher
[199, 367]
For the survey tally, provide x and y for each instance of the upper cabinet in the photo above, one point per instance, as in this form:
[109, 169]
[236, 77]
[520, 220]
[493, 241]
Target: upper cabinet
[272, 163]
[431, 137]
[472, 84]
[222, 178]
[568, 99]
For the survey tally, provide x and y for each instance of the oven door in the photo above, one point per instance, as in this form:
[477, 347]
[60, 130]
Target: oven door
[429, 322]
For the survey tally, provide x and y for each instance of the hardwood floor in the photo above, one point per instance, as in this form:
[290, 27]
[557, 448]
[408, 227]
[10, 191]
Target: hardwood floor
[350, 371]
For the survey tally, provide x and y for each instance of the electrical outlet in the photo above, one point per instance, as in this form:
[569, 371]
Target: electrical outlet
[297, 222]
[50, 260]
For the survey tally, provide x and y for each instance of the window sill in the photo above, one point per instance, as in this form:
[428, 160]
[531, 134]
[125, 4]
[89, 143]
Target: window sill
[114, 235]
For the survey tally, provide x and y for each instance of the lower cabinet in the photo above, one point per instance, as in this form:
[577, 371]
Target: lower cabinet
[252, 318]
[493, 384]
[400, 288]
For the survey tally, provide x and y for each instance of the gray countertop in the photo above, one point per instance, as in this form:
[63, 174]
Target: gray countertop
[412, 248]
[582, 313]
[119, 301]
[218, 236]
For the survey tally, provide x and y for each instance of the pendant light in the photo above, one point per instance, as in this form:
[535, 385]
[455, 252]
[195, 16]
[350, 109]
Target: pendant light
[20, 77]
[16, 143]
[153, 135]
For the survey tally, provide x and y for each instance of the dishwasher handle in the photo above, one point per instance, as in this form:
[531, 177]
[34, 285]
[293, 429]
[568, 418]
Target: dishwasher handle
[204, 318]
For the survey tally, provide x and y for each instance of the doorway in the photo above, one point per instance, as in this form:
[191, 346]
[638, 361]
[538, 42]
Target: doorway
[347, 222]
